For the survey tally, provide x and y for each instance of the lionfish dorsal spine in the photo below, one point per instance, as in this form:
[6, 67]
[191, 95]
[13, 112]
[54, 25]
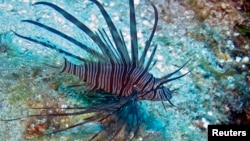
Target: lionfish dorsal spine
[51, 46]
[89, 50]
[148, 42]
[120, 46]
[133, 33]
[102, 46]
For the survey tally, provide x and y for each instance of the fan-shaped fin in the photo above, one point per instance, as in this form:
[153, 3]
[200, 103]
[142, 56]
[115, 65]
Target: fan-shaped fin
[115, 34]
[81, 26]
[91, 51]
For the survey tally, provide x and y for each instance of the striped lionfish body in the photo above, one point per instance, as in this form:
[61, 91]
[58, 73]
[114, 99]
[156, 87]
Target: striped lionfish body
[115, 71]
[116, 79]
[120, 79]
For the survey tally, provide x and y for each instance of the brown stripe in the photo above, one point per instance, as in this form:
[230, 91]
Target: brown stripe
[97, 76]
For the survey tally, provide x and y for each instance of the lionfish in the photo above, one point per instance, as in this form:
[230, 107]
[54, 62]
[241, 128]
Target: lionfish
[119, 78]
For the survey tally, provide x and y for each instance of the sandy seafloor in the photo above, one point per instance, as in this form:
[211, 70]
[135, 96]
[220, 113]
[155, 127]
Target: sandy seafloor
[207, 95]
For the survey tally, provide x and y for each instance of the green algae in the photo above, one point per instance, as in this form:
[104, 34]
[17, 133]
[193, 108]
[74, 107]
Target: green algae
[244, 30]
[217, 74]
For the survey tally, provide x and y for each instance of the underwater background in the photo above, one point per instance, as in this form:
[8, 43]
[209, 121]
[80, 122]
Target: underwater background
[213, 34]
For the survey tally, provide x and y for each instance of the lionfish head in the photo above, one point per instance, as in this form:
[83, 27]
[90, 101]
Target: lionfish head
[160, 92]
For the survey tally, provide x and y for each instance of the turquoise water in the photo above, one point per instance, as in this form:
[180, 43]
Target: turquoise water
[207, 95]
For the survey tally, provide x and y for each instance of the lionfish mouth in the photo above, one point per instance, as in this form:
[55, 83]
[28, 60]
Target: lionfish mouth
[112, 72]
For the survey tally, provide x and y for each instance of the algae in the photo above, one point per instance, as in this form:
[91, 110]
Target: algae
[217, 74]
[244, 30]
